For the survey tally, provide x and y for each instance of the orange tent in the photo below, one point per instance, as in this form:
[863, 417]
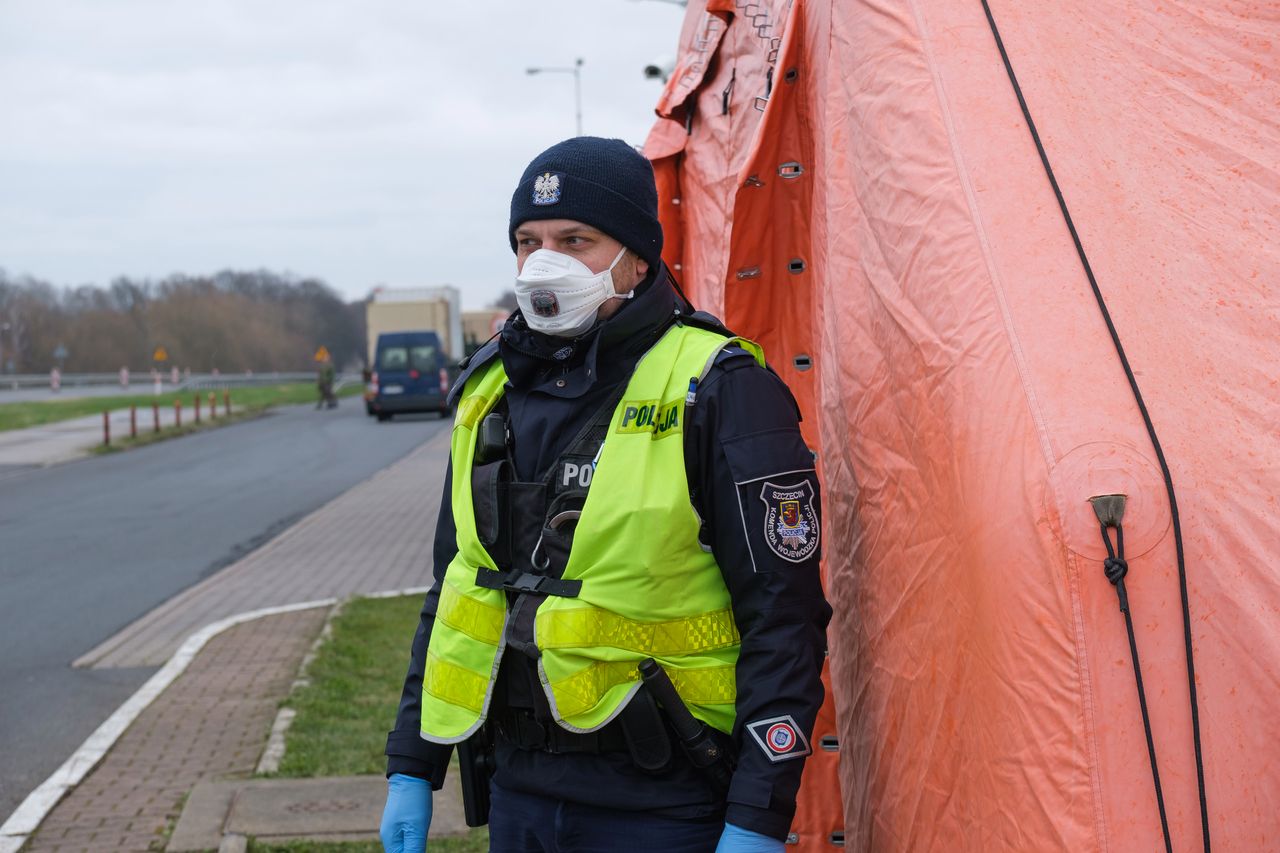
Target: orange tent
[857, 186]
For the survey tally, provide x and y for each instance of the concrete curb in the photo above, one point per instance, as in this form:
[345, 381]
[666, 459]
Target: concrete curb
[26, 819]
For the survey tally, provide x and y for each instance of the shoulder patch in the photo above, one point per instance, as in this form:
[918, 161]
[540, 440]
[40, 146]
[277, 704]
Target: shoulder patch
[791, 527]
[779, 738]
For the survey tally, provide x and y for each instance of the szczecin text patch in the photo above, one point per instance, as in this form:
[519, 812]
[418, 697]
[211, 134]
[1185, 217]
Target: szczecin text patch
[791, 526]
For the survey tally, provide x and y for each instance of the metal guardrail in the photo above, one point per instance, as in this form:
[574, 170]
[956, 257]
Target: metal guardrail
[143, 381]
[18, 381]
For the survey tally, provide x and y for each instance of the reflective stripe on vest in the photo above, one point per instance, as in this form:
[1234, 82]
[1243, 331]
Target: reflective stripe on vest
[648, 588]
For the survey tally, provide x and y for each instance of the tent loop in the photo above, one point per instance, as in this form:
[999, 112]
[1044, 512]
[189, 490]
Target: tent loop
[1110, 509]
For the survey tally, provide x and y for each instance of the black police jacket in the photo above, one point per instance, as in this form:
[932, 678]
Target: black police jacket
[752, 481]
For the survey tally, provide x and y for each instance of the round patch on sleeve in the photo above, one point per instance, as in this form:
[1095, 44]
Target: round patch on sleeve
[779, 738]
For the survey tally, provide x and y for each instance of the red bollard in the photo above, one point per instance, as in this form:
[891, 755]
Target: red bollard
[197, 408]
[155, 417]
[133, 422]
[177, 413]
[106, 429]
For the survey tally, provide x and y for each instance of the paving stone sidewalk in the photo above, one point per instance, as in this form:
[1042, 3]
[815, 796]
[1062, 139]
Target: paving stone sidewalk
[212, 722]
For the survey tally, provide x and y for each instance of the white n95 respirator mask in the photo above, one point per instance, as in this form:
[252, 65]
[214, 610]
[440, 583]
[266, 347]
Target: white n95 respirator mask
[560, 295]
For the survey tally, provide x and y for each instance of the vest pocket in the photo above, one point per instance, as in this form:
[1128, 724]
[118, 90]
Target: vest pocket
[489, 497]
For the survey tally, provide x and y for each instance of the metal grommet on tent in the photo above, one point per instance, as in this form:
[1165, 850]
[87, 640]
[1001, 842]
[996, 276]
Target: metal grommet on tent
[791, 75]
[830, 743]
[753, 181]
[795, 266]
[836, 838]
[748, 272]
[790, 170]
[802, 362]
[792, 838]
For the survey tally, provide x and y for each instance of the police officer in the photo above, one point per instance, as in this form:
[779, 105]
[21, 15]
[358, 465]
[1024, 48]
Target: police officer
[627, 485]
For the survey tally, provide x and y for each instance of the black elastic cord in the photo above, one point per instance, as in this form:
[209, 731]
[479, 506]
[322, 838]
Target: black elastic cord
[1116, 568]
[1146, 419]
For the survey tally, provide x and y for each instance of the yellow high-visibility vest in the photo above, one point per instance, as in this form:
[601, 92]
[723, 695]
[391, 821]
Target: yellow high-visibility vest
[648, 588]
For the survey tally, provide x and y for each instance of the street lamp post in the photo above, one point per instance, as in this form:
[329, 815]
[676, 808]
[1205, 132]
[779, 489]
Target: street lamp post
[576, 71]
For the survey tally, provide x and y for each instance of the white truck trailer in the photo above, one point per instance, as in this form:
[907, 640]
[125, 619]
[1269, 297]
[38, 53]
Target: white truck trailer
[412, 309]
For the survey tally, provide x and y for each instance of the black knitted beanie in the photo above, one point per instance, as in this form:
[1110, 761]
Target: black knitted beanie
[603, 182]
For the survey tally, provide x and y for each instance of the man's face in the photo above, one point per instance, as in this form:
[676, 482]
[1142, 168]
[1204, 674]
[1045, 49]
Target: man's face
[595, 249]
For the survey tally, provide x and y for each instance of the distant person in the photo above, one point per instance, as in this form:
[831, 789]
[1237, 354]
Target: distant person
[325, 378]
[692, 563]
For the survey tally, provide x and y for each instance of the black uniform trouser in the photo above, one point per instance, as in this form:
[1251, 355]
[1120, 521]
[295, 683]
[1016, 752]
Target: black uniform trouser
[528, 823]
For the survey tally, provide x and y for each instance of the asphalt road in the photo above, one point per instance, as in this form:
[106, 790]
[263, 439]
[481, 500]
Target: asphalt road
[88, 547]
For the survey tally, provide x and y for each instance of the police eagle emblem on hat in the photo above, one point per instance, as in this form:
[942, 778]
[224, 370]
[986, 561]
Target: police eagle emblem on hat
[546, 188]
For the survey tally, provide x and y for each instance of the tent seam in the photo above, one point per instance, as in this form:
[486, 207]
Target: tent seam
[1033, 405]
[1019, 357]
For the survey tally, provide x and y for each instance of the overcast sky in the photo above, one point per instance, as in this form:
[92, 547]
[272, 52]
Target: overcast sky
[364, 143]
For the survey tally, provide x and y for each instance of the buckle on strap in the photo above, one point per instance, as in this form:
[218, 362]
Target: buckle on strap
[527, 582]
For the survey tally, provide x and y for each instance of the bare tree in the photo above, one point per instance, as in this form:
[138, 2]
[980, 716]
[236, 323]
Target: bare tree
[233, 321]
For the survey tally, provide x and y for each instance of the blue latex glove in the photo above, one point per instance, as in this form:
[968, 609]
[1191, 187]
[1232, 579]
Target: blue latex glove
[738, 840]
[407, 814]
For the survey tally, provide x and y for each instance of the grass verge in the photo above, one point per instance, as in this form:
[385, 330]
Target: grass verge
[166, 433]
[37, 413]
[349, 704]
[248, 412]
[344, 713]
[476, 842]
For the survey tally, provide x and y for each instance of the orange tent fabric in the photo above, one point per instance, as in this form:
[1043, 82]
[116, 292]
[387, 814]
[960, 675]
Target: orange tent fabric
[854, 184]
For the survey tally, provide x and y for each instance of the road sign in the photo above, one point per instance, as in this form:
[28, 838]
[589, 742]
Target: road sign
[161, 354]
[322, 354]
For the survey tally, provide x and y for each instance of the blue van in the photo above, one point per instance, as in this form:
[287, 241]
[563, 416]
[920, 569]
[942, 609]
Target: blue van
[410, 374]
